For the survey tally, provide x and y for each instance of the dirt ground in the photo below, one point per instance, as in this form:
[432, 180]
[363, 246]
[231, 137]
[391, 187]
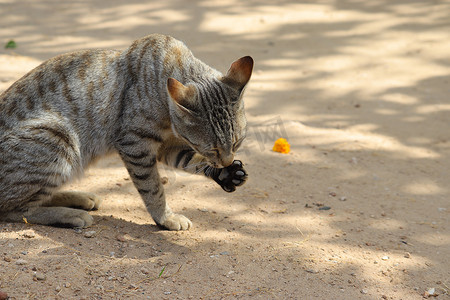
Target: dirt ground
[358, 210]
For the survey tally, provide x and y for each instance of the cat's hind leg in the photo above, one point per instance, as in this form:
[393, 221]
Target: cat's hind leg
[40, 209]
[53, 216]
[37, 159]
[81, 200]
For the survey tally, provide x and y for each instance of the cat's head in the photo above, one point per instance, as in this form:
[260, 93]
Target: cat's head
[209, 114]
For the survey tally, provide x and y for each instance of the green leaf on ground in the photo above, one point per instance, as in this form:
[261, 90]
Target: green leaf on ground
[11, 45]
[162, 271]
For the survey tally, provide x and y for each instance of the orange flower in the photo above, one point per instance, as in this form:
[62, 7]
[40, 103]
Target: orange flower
[281, 145]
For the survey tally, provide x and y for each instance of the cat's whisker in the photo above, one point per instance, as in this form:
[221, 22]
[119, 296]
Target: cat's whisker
[193, 165]
[209, 170]
[201, 169]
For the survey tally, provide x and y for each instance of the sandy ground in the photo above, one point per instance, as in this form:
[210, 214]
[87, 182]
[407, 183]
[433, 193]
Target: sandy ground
[358, 210]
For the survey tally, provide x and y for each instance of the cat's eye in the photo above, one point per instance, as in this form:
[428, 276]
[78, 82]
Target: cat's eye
[213, 152]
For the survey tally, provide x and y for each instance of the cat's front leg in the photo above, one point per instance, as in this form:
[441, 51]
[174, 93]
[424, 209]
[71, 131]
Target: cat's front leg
[188, 160]
[141, 166]
[230, 177]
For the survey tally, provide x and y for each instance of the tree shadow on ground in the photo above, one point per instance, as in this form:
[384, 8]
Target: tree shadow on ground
[320, 70]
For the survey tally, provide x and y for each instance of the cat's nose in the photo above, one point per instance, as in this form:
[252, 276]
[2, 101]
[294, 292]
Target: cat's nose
[227, 160]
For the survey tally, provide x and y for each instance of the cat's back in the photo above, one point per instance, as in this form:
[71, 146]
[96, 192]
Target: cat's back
[57, 84]
[159, 56]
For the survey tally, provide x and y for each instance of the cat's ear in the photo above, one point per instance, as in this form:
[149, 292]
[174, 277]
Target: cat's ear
[180, 94]
[239, 73]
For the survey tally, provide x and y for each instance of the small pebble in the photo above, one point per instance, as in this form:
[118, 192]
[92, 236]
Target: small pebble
[385, 258]
[364, 291]
[112, 253]
[29, 234]
[39, 276]
[343, 198]
[121, 238]
[7, 259]
[407, 255]
[164, 180]
[89, 234]
[224, 253]
[324, 208]
[3, 295]
[431, 291]
[312, 271]
[24, 252]
[78, 230]
[58, 288]
[21, 262]
[167, 293]
[145, 271]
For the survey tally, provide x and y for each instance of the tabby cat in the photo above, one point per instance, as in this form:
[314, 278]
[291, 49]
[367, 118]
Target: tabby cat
[153, 102]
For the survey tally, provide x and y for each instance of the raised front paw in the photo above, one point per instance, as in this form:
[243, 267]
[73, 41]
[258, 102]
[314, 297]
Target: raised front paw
[176, 222]
[232, 176]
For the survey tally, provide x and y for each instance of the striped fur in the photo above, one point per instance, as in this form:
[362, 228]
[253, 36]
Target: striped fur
[154, 102]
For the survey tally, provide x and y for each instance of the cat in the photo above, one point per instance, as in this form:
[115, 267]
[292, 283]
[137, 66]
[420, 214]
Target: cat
[152, 103]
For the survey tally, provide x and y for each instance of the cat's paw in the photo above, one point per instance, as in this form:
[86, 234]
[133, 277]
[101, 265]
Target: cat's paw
[232, 176]
[176, 222]
[59, 216]
[93, 200]
[82, 200]
[78, 219]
